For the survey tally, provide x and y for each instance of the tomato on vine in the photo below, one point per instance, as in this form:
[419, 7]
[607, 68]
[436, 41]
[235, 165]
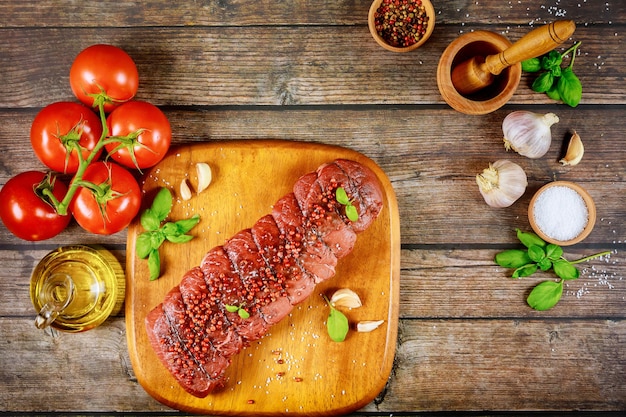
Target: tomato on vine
[107, 200]
[144, 134]
[24, 209]
[60, 131]
[106, 72]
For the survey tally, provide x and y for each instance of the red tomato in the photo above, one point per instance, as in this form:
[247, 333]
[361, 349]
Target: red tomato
[115, 203]
[104, 68]
[59, 130]
[155, 134]
[25, 214]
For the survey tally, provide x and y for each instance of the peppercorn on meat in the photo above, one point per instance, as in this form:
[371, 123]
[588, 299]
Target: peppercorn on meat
[242, 288]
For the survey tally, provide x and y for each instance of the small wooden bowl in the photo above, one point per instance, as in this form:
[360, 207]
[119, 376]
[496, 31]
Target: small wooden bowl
[591, 211]
[430, 13]
[491, 98]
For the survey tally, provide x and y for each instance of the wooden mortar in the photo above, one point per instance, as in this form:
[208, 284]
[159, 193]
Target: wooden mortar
[480, 71]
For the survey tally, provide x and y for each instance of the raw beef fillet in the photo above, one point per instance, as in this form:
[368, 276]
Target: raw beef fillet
[254, 280]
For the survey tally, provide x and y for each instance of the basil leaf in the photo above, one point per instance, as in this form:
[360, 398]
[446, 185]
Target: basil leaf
[531, 65]
[243, 313]
[554, 252]
[570, 88]
[187, 224]
[231, 308]
[337, 325]
[553, 92]
[154, 264]
[525, 271]
[551, 60]
[543, 82]
[528, 239]
[149, 220]
[536, 253]
[178, 238]
[564, 269]
[162, 204]
[556, 73]
[156, 239]
[143, 245]
[513, 258]
[351, 213]
[545, 295]
[342, 196]
[544, 264]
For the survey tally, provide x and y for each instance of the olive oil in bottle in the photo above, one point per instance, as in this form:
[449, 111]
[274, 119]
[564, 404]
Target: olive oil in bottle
[75, 288]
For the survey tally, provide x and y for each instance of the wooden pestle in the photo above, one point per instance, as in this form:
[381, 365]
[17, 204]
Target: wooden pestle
[479, 72]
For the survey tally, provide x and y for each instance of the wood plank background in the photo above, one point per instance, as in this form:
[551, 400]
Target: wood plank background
[310, 72]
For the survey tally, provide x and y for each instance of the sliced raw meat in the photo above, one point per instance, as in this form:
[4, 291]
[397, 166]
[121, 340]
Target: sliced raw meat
[263, 271]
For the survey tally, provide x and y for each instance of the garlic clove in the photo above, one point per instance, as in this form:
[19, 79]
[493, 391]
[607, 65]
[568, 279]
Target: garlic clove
[575, 151]
[185, 191]
[205, 176]
[502, 183]
[528, 133]
[345, 297]
[368, 325]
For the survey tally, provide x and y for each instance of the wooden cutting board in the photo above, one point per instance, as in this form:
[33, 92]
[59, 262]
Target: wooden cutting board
[296, 368]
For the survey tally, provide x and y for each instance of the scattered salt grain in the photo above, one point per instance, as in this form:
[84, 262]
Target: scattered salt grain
[561, 213]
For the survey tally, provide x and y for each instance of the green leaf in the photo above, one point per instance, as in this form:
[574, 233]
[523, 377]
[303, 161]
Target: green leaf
[554, 252]
[544, 264]
[162, 204]
[143, 245]
[564, 269]
[569, 87]
[536, 253]
[551, 59]
[543, 82]
[156, 239]
[513, 258]
[545, 295]
[556, 73]
[528, 239]
[351, 213]
[243, 313]
[553, 92]
[186, 225]
[524, 271]
[337, 325]
[231, 308]
[154, 264]
[150, 221]
[178, 238]
[342, 196]
[531, 65]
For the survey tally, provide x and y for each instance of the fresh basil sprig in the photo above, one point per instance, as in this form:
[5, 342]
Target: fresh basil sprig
[543, 256]
[342, 198]
[337, 323]
[148, 243]
[558, 83]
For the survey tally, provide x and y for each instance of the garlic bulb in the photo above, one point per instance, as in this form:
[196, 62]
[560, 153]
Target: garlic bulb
[528, 133]
[502, 183]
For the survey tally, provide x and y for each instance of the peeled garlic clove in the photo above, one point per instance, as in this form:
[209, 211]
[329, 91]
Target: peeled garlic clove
[368, 326]
[345, 298]
[205, 176]
[528, 133]
[502, 183]
[185, 192]
[575, 151]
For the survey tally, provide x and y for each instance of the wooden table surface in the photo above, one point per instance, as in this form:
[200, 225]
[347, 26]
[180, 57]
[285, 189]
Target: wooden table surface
[310, 71]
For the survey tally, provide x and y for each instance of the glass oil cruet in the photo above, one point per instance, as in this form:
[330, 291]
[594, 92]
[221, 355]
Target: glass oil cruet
[76, 288]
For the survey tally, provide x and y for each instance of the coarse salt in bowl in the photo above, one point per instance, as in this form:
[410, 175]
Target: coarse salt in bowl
[562, 213]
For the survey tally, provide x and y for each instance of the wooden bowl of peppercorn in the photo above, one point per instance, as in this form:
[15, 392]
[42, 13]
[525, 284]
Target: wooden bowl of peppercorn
[401, 25]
